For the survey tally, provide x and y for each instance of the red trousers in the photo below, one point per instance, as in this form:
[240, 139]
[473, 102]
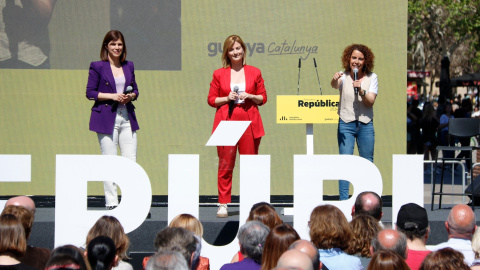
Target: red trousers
[247, 145]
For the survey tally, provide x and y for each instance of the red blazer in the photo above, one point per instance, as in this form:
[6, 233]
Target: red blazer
[220, 87]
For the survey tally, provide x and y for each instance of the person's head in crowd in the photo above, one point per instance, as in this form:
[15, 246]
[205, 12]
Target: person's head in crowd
[101, 253]
[251, 237]
[444, 259]
[67, 257]
[461, 222]
[181, 240]
[364, 229]
[329, 228]
[167, 260]
[387, 260]
[23, 214]
[368, 203]
[111, 227]
[189, 223]
[265, 213]
[390, 239]
[310, 250]
[22, 201]
[278, 240]
[294, 259]
[412, 220]
[476, 244]
[12, 237]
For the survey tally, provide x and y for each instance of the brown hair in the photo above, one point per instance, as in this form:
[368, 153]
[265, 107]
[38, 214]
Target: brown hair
[12, 236]
[23, 214]
[277, 242]
[387, 260]
[367, 53]
[226, 47]
[111, 227]
[266, 214]
[444, 259]
[113, 35]
[364, 229]
[329, 228]
[188, 222]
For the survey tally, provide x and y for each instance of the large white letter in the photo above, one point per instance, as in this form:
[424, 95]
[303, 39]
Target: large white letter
[72, 219]
[15, 168]
[311, 170]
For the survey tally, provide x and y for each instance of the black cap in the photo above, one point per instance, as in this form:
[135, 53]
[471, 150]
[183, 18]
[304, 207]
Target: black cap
[412, 216]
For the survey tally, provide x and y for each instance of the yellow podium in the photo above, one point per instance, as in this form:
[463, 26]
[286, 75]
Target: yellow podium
[309, 110]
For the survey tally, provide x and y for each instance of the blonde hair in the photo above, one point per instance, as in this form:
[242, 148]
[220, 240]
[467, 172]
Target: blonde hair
[187, 222]
[226, 47]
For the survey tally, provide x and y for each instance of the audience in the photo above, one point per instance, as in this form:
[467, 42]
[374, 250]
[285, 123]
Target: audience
[476, 249]
[460, 227]
[67, 257]
[252, 236]
[310, 250]
[181, 240]
[110, 226]
[24, 209]
[387, 260]
[364, 229]
[444, 259]
[278, 241]
[101, 253]
[294, 259]
[389, 239]
[370, 204]
[331, 234]
[412, 220]
[167, 260]
[13, 243]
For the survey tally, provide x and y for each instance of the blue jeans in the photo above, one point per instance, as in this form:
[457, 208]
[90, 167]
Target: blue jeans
[346, 135]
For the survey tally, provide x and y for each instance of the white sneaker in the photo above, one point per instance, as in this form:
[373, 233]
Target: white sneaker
[222, 211]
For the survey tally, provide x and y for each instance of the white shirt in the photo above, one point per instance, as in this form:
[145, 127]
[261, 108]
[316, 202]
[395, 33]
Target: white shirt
[458, 244]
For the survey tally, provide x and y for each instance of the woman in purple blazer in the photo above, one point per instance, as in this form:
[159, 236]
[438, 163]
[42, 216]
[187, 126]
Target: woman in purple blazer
[111, 84]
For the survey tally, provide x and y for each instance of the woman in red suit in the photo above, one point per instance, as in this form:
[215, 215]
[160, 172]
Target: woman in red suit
[250, 94]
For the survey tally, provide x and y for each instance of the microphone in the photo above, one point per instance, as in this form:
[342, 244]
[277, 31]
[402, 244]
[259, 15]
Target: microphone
[299, 66]
[318, 78]
[232, 103]
[127, 91]
[355, 77]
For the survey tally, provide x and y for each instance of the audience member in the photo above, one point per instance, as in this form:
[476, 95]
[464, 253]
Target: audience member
[252, 236]
[476, 249]
[36, 257]
[294, 259]
[181, 240]
[364, 229]
[278, 241]
[110, 226]
[389, 239]
[331, 234]
[368, 203]
[412, 220]
[167, 260]
[387, 260]
[460, 227]
[444, 259]
[67, 257]
[310, 250]
[101, 253]
[12, 243]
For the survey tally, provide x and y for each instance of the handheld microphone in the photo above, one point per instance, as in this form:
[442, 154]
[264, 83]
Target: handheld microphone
[318, 78]
[232, 103]
[299, 66]
[127, 91]
[355, 77]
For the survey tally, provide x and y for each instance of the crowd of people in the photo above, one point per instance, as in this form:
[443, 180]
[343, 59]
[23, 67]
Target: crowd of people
[265, 241]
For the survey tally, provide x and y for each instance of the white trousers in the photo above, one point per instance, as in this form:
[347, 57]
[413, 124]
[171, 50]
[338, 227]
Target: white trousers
[127, 141]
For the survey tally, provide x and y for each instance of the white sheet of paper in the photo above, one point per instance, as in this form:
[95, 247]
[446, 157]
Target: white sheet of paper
[228, 133]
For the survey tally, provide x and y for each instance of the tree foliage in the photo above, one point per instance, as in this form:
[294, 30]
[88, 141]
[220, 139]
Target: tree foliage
[438, 28]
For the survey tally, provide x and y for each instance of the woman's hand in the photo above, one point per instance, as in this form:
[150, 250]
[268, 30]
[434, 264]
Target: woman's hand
[244, 96]
[337, 76]
[127, 98]
[232, 96]
[118, 97]
[335, 83]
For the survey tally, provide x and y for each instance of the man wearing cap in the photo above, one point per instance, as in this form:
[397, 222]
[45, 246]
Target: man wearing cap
[412, 220]
[460, 227]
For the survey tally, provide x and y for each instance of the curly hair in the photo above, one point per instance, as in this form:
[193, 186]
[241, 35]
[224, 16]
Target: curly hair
[364, 229]
[367, 53]
[266, 214]
[329, 228]
[278, 241]
[111, 227]
[444, 259]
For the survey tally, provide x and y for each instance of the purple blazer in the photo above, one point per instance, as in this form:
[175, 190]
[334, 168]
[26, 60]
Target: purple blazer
[100, 79]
